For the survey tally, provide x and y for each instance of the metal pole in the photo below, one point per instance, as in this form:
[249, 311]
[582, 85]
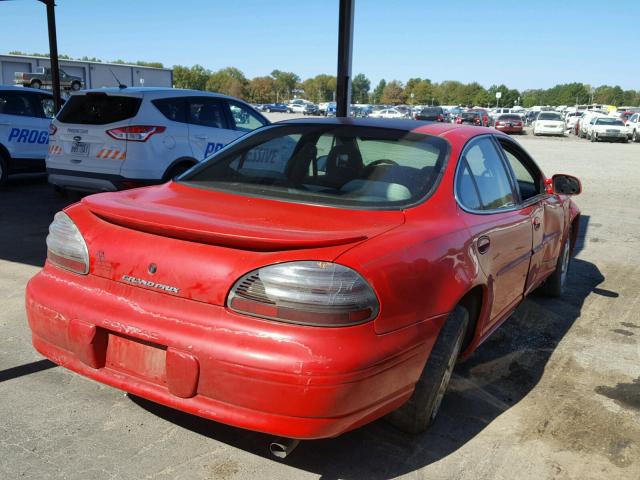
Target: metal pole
[345, 51]
[53, 53]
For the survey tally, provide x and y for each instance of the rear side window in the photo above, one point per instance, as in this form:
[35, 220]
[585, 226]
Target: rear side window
[174, 109]
[207, 112]
[98, 109]
[488, 177]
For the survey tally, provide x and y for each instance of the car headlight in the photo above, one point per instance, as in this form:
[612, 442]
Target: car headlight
[65, 246]
[313, 293]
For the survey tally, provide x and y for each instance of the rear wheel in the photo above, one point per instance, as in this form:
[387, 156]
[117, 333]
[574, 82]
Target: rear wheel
[75, 86]
[176, 170]
[421, 409]
[36, 84]
[554, 285]
[635, 137]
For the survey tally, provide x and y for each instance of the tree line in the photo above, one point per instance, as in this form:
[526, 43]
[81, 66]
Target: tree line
[281, 86]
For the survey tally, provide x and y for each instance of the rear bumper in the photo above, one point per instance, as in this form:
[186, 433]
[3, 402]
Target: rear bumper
[95, 182]
[286, 380]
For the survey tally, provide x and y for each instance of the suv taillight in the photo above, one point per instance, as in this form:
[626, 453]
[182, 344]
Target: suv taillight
[135, 133]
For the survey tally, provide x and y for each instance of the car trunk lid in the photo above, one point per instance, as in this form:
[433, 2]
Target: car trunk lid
[196, 243]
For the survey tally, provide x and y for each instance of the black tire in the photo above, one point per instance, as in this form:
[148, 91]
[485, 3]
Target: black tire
[418, 413]
[635, 137]
[4, 171]
[176, 170]
[36, 84]
[593, 137]
[75, 86]
[554, 285]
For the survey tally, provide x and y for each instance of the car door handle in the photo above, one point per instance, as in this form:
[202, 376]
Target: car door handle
[536, 223]
[483, 244]
[202, 137]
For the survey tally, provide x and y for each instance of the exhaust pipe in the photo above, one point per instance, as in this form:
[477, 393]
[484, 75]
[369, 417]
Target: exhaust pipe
[282, 447]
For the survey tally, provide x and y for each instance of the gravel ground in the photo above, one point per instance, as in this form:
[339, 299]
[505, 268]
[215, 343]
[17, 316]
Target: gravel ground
[553, 394]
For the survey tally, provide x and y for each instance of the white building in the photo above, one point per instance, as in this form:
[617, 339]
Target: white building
[94, 74]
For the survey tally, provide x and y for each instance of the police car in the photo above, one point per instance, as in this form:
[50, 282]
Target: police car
[25, 116]
[116, 138]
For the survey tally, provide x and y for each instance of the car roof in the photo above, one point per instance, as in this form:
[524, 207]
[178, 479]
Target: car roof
[156, 91]
[24, 89]
[428, 128]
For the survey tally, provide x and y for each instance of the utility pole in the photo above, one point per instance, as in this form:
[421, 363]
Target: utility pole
[53, 53]
[345, 53]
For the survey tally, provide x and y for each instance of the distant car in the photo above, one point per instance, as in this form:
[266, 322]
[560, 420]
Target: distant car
[111, 139]
[634, 127]
[310, 109]
[275, 107]
[484, 115]
[608, 129]
[388, 113]
[530, 117]
[585, 121]
[263, 291]
[570, 120]
[509, 123]
[431, 114]
[25, 118]
[43, 78]
[549, 123]
[469, 118]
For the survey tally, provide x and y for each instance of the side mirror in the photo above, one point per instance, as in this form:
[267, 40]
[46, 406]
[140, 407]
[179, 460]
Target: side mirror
[565, 185]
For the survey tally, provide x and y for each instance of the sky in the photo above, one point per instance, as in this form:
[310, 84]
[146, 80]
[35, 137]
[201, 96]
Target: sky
[521, 43]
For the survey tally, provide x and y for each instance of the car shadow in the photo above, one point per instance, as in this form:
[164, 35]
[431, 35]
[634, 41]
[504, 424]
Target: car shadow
[27, 208]
[496, 377]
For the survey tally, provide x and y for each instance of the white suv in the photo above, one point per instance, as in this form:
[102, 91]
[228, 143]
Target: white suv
[25, 116]
[111, 139]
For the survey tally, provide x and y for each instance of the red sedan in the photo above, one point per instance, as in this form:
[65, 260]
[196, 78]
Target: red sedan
[308, 279]
[509, 123]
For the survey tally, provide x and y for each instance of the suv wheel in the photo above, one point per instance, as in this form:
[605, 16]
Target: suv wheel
[75, 86]
[635, 137]
[36, 84]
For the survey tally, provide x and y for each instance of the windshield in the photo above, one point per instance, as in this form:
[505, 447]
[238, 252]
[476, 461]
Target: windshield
[610, 121]
[334, 165]
[549, 116]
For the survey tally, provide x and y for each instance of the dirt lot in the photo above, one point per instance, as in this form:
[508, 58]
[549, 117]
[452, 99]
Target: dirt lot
[554, 394]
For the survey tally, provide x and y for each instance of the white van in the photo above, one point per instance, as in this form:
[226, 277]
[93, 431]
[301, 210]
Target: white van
[117, 138]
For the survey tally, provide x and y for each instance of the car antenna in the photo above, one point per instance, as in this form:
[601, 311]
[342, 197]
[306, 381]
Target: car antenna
[120, 84]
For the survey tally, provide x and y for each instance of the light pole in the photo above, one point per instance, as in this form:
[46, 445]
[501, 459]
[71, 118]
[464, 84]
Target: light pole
[53, 53]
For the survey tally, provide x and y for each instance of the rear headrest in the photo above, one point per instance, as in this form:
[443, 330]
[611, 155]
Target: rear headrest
[392, 192]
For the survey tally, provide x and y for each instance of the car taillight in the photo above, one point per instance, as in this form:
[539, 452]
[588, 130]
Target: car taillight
[518, 124]
[458, 120]
[440, 118]
[52, 129]
[65, 246]
[135, 133]
[498, 123]
[321, 294]
[477, 122]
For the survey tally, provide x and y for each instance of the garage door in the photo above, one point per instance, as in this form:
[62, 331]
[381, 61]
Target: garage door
[9, 68]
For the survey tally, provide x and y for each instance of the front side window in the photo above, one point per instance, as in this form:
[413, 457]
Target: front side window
[333, 165]
[528, 176]
[244, 119]
[16, 103]
[489, 177]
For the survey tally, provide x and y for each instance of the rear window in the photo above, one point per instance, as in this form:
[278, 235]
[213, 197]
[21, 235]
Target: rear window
[331, 165]
[510, 118]
[431, 111]
[549, 116]
[609, 121]
[98, 109]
